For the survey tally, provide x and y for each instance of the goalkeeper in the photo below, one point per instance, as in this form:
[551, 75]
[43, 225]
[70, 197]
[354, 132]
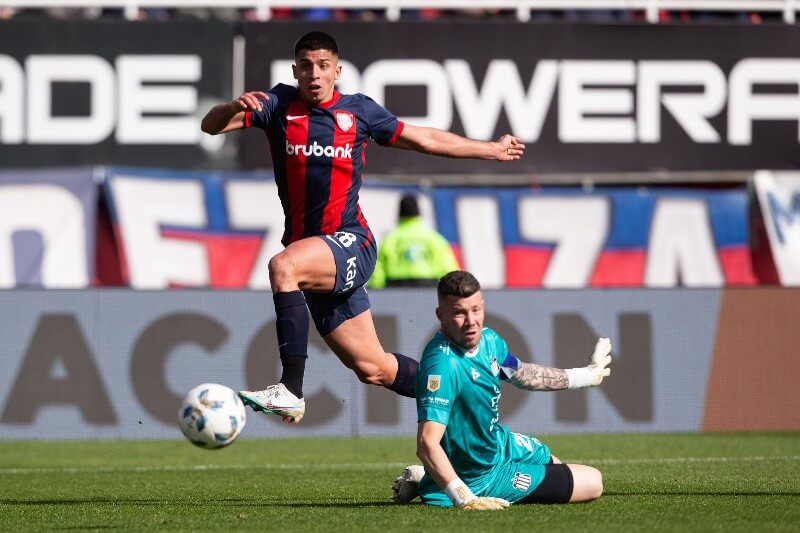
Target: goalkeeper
[471, 460]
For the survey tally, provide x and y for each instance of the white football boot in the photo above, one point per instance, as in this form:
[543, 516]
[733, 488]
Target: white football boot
[404, 488]
[276, 399]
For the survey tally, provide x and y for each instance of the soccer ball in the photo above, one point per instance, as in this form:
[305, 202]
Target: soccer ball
[212, 416]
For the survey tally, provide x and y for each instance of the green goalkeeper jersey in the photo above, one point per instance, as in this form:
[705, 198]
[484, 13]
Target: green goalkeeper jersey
[461, 390]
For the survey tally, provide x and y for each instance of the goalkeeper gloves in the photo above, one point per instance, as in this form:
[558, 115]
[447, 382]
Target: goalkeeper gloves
[593, 374]
[486, 503]
[463, 497]
[404, 488]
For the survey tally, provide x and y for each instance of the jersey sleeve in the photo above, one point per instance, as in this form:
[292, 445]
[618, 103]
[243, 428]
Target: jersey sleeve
[437, 387]
[261, 119]
[507, 362]
[383, 126]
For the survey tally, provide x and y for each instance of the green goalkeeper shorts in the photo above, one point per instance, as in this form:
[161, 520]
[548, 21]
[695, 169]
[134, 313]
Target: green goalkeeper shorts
[522, 469]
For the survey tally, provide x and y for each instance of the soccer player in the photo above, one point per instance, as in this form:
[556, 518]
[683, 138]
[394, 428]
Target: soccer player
[317, 139]
[470, 459]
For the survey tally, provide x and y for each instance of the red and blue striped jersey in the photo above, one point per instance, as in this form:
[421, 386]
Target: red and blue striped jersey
[318, 155]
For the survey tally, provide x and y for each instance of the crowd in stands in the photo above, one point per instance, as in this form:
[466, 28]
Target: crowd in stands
[430, 14]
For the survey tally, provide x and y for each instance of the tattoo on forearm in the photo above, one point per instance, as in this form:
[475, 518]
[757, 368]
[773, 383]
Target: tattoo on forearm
[537, 377]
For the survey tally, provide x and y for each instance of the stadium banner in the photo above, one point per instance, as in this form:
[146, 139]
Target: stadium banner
[219, 230]
[584, 98]
[47, 228]
[779, 201]
[116, 363]
[112, 92]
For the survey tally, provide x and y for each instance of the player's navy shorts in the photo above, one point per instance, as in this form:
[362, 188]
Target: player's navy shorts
[355, 253]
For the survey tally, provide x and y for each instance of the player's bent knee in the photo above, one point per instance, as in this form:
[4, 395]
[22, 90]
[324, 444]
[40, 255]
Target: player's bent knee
[588, 483]
[278, 265]
[281, 270]
[595, 488]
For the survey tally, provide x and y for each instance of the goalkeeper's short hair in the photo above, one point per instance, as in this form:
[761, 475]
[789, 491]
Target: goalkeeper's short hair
[457, 283]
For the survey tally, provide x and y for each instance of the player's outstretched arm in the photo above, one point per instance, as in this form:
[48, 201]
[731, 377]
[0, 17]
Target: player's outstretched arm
[227, 117]
[446, 144]
[438, 465]
[531, 376]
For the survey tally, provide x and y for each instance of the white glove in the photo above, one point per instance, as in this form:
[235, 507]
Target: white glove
[593, 374]
[601, 358]
[486, 503]
[404, 488]
[463, 498]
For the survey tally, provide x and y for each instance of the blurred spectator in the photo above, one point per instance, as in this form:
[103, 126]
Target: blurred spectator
[412, 254]
[598, 16]
[227, 14]
[427, 13]
[74, 13]
[479, 13]
[591, 16]
[276, 13]
[321, 14]
[158, 14]
[367, 15]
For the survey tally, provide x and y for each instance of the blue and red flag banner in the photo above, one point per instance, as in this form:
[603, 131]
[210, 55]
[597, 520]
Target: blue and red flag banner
[779, 201]
[608, 237]
[188, 229]
[47, 228]
[193, 229]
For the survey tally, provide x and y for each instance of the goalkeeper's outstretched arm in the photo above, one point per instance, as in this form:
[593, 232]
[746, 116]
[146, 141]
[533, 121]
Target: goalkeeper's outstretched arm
[438, 465]
[531, 376]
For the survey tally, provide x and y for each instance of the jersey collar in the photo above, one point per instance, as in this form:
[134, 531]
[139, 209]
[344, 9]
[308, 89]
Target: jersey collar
[330, 103]
[460, 349]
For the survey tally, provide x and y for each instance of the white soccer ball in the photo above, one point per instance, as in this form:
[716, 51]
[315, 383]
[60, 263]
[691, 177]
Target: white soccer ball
[212, 416]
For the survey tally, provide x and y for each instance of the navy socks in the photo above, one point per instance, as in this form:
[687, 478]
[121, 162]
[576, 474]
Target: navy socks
[406, 375]
[294, 368]
[292, 324]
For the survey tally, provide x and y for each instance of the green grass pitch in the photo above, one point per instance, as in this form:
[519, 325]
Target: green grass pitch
[675, 482]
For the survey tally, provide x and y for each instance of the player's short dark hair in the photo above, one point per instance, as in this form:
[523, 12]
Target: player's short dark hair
[316, 40]
[457, 283]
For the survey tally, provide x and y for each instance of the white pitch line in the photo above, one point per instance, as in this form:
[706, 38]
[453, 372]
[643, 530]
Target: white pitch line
[667, 460]
[199, 468]
[370, 466]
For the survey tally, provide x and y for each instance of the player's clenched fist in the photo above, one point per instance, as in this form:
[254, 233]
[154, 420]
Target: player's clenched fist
[250, 101]
[485, 503]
